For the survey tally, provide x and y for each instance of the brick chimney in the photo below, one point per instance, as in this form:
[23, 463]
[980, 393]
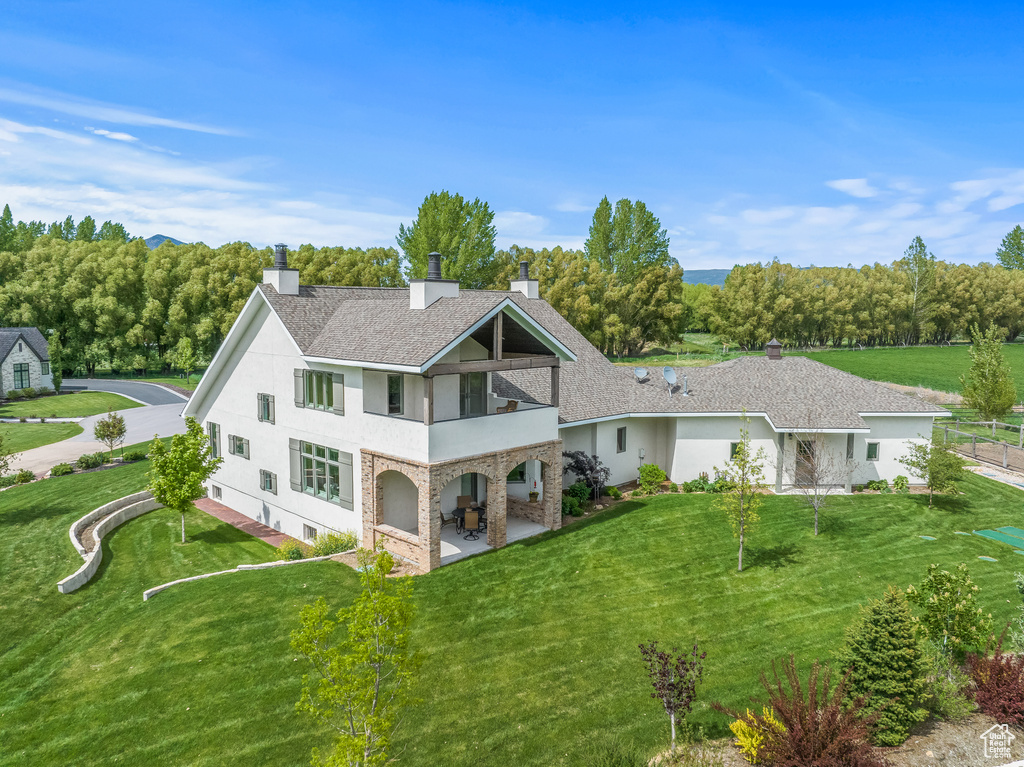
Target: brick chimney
[773, 350]
[422, 293]
[284, 280]
[526, 286]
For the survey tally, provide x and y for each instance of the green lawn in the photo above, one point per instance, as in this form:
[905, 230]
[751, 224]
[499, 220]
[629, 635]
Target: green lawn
[68, 405]
[25, 436]
[934, 367]
[534, 645]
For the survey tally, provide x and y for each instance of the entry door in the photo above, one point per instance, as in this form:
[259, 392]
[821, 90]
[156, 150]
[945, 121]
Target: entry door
[471, 391]
[804, 462]
[471, 487]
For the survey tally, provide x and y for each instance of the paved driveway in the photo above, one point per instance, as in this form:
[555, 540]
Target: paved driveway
[148, 393]
[141, 423]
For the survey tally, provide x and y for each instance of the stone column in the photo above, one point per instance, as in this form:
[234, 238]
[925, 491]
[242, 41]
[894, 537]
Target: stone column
[497, 512]
[553, 495]
[430, 527]
[372, 509]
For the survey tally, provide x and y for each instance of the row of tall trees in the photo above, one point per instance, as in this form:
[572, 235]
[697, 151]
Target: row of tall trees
[19, 236]
[916, 299]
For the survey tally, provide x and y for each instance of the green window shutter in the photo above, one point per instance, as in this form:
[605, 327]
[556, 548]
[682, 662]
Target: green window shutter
[245, 449]
[231, 444]
[273, 415]
[300, 397]
[295, 464]
[338, 382]
[259, 407]
[345, 489]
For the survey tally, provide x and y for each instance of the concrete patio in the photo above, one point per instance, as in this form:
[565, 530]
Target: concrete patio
[454, 547]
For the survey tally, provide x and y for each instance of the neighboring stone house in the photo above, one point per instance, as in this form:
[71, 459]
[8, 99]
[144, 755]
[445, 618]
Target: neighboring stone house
[374, 409]
[24, 360]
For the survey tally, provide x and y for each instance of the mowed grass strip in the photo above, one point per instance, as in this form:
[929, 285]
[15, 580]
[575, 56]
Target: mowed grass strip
[529, 654]
[25, 436]
[933, 367]
[76, 405]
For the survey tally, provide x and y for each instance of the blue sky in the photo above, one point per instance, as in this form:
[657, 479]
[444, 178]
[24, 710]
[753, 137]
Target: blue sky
[809, 133]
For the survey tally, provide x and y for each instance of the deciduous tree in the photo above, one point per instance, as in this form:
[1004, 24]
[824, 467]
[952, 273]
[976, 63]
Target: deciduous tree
[185, 356]
[6, 457]
[1011, 250]
[110, 431]
[939, 467]
[988, 386]
[824, 470]
[360, 679]
[56, 349]
[176, 475]
[674, 676]
[461, 231]
[952, 618]
[745, 475]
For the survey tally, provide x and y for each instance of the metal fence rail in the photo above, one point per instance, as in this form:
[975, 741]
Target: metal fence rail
[985, 449]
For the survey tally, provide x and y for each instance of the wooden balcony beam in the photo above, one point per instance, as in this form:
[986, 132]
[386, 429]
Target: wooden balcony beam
[492, 366]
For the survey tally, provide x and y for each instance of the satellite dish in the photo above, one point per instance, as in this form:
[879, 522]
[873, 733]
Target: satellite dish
[670, 376]
[641, 374]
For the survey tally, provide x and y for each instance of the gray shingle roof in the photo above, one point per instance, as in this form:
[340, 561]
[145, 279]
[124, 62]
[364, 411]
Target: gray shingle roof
[32, 336]
[376, 326]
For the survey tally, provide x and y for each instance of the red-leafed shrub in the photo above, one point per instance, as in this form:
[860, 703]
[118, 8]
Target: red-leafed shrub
[997, 684]
[817, 729]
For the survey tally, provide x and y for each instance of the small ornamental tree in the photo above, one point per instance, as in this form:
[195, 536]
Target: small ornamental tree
[952, 619]
[6, 457]
[745, 475]
[988, 386]
[589, 469]
[936, 464]
[56, 350]
[359, 685]
[883, 659]
[185, 356]
[110, 431]
[824, 472]
[997, 684]
[674, 676]
[177, 474]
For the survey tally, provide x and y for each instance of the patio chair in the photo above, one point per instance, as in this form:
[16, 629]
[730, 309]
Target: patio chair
[463, 503]
[509, 407]
[452, 520]
[473, 526]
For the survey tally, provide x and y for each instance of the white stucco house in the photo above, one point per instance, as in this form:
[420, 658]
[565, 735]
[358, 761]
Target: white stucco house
[374, 409]
[24, 360]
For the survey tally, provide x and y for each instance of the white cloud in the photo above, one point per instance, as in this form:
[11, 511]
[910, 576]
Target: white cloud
[96, 110]
[517, 223]
[573, 206]
[113, 135]
[855, 187]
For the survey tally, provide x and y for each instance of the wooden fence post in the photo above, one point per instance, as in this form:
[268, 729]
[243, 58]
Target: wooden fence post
[993, 428]
[945, 435]
[1005, 447]
[974, 445]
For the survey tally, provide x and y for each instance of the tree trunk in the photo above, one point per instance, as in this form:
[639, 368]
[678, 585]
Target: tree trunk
[672, 719]
[741, 548]
[183, 527]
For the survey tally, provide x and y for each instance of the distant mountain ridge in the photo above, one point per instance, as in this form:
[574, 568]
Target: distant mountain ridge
[159, 239]
[703, 276]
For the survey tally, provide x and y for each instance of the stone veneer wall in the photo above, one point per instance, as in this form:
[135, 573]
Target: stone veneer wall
[430, 479]
[35, 370]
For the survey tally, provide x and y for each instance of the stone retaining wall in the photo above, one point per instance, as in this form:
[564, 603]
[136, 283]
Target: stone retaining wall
[112, 514]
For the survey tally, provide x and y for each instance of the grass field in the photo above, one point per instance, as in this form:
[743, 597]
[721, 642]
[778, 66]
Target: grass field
[934, 367]
[68, 405]
[25, 436]
[529, 654]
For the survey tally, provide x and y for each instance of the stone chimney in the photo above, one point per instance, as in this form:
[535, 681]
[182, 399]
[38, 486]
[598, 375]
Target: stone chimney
[284, 280]
[526, 286]
[773, 350]
[422, 293]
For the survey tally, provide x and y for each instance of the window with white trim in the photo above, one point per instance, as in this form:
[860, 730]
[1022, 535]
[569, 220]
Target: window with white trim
[308, 533]
[620, 440]
[268, 481]
[238, 446]
[215, 492]
[327, 473]
[734, 448]
[319, 388]
[265, 408]
[872, 451]
[213, 432]
[44, 368]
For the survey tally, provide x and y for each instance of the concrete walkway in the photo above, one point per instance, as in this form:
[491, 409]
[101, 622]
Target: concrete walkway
[256, 529]
[141, 424]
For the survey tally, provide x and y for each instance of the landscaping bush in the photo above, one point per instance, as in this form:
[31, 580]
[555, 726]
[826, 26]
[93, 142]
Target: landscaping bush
[579, 491]
[998, 685]
[952, 619]
[901, 484]
[614, 493]
[61, 469]
[881, 485]
[722, 485]
[673, 487]
[571, 506]
[818, 729]
[28, 392]
[292, 549]
[651, 477]
[91, 460]
[333, 543]
[15, 394]
[9, 480]
[883, 661]
[44, 391]
[24, 476]
[946, 695]
[751, 732]
[22, 418]
[588, 469]
[134, 455]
